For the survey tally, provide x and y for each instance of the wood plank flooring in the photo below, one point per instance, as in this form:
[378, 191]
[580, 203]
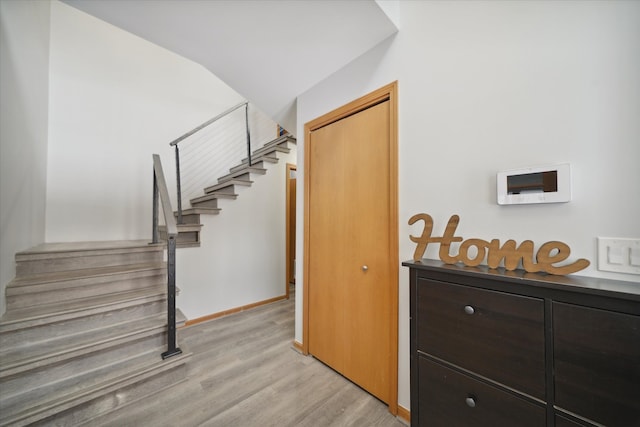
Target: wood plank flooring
[245, 372]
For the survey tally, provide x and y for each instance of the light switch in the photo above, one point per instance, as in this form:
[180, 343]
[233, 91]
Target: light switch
[615, 255]
[618, 254]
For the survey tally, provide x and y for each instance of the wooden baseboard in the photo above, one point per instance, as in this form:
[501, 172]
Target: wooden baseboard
[404, 413]
[232, 310]
[298, 346]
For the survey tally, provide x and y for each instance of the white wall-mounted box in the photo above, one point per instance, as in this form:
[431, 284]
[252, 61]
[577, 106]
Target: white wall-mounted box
[539, 184]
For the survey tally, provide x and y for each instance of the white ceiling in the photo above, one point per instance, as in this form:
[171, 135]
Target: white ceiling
[269, 51]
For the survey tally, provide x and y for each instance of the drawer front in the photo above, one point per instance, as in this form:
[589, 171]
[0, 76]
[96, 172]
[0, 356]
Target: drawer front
[449, 398]
[565, 422]
[494, 334]
[597, 364]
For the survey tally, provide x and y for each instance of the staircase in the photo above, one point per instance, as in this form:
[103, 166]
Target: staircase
[86, 323]
[83, 333]
[240, 175]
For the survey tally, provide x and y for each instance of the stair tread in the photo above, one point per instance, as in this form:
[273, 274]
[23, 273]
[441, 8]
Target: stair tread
[67, 309]
[59, 276]
[36, 354]
[262, 152]
[199, 211]
[83, 247]
[245, 170]
[183, 227]
[268, 157]
[279, 140]
[232, 182]
[211, 196]
[55, 397]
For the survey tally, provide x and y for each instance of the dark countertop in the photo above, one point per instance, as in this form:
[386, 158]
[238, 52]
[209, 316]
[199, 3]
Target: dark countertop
[591, 285]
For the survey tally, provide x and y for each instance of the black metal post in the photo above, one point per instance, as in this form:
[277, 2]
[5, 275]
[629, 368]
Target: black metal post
[154, 233]
[178, 185]
[246, 116]
[172, 350]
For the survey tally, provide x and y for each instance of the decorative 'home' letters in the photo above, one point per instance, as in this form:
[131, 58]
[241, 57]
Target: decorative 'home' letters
[549, 253]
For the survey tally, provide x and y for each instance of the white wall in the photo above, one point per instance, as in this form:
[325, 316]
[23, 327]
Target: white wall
[24, 84]
[486, 86]
[115, 99]
[243, 249]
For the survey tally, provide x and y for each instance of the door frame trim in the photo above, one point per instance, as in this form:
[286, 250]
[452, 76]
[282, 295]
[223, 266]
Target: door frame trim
[390, 93]
[290, 167]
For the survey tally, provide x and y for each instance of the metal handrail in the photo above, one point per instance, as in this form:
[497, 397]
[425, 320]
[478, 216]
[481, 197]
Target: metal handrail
[175, 143]
[207, 123]
[161, 197]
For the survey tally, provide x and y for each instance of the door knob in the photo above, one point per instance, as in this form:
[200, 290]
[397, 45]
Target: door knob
[470, 401]
[365, 268]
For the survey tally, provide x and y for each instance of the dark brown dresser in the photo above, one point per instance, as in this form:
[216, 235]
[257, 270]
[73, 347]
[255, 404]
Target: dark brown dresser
[499, 348]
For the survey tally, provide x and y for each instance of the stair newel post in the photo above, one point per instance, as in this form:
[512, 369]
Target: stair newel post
[246, 116]
[161, 196]
[178, 185]
[154, 232]
[172, 349]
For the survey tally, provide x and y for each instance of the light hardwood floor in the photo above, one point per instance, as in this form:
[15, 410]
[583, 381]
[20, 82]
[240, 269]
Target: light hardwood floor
[245, 372]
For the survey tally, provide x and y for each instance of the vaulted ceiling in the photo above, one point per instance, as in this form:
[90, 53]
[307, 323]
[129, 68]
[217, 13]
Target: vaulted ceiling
[269, 51]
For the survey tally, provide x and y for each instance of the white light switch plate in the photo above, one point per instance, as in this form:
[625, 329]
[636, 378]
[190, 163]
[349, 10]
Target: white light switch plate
[618, 254]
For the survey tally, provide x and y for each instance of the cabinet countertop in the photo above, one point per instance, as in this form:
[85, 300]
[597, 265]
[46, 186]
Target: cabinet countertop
[572, 283]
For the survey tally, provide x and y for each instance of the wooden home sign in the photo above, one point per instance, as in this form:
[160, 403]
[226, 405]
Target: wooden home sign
[547, 256]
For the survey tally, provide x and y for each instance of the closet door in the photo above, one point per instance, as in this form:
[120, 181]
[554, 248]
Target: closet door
[350, 278]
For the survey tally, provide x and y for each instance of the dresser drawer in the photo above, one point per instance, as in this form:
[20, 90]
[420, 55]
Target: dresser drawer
[597, 364]
[494, 334]
[449, 398]
[565, 422]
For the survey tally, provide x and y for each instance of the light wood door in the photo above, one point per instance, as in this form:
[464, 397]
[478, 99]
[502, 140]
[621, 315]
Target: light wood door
[350, 275]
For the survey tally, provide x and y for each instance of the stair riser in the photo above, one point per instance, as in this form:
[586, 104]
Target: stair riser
[190, 219]
[42, 264]
[256, 163]
[183, 237]
[213, 203]
[229, 177]
[241, 175]
[102, 405]
[19, 335]
[282, 148]
[51, 293]
[267, 158]
[38, 382]
[231, 189]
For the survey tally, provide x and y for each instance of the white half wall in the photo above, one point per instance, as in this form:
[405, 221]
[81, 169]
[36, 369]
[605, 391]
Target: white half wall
[241, 259]
[115, 99]
[24, 85]
[490, 85]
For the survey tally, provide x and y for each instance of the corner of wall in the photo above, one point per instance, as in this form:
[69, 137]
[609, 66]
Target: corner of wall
[24, 83]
